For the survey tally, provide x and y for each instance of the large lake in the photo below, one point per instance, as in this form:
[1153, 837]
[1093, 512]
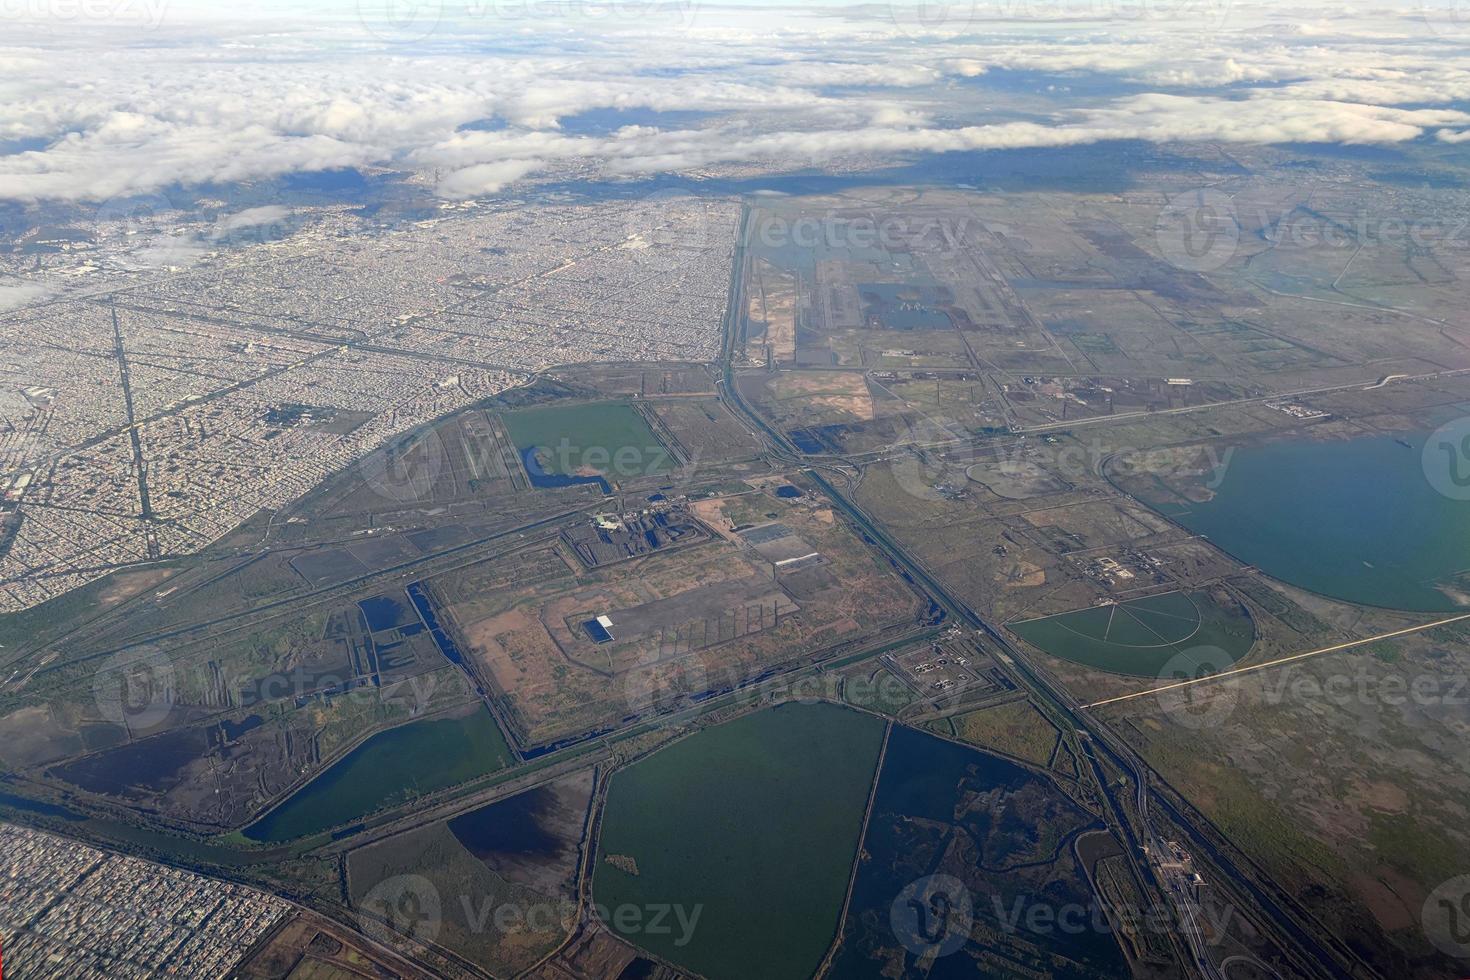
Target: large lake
[390, 767]
[1353, 519]
[753, 826]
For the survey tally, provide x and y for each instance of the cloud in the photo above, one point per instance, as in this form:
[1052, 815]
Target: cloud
[118, 110]
[484, 178]
[894, 131]
[169, 252]
[250, 218]
[15, 295]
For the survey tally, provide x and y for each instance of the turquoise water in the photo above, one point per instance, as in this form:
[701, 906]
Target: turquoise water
[1353, 519]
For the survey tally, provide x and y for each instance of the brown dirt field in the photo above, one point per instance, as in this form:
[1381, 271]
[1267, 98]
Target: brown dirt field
[773, 301]
[1393, 900]
[125, 585]
[558, 682]
[842, 391]
[712, 512]
[1385, 797]
[1020, 575]
[517, 651]
[31, 735]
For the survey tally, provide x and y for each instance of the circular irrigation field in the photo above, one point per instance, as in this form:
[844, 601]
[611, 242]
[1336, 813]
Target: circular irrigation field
[1145, 636]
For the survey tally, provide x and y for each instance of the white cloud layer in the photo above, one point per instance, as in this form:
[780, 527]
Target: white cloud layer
[97, 110]
[14, 295]
[251, 218]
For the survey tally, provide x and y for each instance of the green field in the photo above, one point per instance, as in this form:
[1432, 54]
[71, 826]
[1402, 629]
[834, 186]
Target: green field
[606, 438]
[1180, 631]
[390, 767]
[755, 824]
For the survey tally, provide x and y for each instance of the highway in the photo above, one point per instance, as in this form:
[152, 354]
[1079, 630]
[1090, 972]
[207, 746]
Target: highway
[1092, 733]
[1331, 961]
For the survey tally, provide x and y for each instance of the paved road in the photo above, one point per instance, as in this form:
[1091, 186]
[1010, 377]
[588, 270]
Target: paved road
[1310, 947]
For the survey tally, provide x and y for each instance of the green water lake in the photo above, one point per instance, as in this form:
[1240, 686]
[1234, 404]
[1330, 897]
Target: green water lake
[392, 766]
[605, 438]
[756, 824]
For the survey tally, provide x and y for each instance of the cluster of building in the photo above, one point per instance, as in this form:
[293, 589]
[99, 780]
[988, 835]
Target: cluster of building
[70, 912]
[147, 418]
[1296, 411]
